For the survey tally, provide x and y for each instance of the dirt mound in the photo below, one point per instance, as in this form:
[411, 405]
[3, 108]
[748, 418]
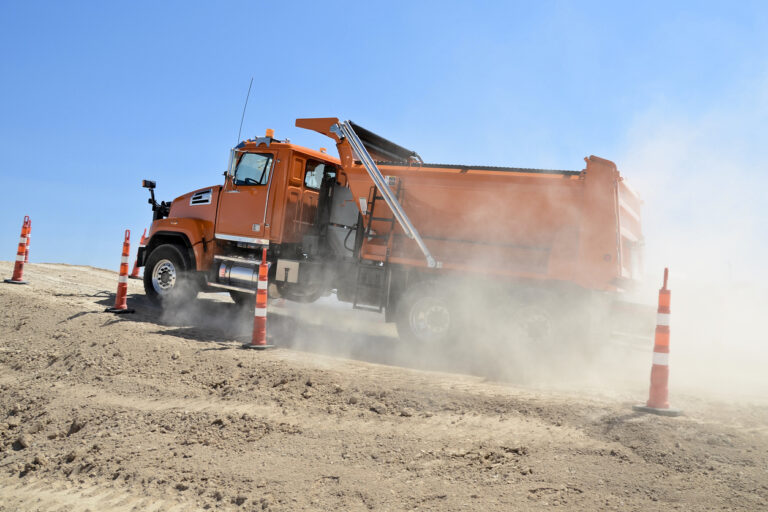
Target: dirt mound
[166, 412]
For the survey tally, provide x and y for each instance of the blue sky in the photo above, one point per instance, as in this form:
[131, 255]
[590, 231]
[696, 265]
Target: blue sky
[96, 96]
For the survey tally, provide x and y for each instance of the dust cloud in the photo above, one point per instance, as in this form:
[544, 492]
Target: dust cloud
[206, 316]
[703, 182]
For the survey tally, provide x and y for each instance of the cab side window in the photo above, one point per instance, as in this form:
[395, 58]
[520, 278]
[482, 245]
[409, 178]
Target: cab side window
[313, 176]
[253, 169]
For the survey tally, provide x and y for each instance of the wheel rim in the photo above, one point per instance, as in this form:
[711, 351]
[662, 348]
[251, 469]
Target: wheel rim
[429, 319]
[534, 324]
[164, 277]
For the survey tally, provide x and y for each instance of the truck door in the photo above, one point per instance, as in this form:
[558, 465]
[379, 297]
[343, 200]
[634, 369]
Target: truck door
[293, 200]
[313, 177]
[302, 197]
[243, 201]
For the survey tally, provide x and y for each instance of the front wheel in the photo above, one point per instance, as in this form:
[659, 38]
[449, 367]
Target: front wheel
[167, 279]
[427, 315]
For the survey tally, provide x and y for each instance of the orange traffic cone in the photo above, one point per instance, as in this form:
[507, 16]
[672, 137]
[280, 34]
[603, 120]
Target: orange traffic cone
[658, 399]
[259, 336]
[135, 270]
[29, 237]
[121, 305]
[21, 253]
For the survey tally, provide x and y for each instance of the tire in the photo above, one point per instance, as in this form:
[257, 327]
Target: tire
[535, 325]
[427, 315]
[552, 327]
[167, 277]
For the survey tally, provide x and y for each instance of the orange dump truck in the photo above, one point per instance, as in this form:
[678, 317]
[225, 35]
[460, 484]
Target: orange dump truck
[433, 246]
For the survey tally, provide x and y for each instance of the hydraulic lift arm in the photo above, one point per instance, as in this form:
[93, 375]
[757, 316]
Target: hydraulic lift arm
[343, 130]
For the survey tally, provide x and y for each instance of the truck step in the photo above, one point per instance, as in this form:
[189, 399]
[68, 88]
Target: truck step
[375, 268]
[372, 309]
[363, 286]
[245, 261]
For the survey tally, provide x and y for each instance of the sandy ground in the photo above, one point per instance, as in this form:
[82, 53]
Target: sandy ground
[157, 411]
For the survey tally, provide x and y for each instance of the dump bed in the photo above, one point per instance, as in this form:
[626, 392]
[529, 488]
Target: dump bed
[575, 226]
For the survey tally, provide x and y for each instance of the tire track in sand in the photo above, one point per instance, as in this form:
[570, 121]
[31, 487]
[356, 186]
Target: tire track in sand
[43, 496]
[437, 426]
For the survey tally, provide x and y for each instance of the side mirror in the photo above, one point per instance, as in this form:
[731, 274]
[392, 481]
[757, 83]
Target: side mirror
[151, 186]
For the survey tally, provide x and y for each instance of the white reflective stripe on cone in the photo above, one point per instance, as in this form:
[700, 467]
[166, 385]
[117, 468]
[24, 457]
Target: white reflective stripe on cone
[260, 312]
[661, 359]
[123, 259]
[263, 285]
[662, 319]
[23, 240]
[19, 257]
[122, 279]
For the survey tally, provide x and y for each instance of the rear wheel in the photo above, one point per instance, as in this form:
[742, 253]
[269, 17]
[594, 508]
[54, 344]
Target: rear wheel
[426, 314]
[167, 277]
[551, 328]
[535, 325]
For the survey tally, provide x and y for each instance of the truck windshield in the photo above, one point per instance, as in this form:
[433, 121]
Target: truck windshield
[253, 169]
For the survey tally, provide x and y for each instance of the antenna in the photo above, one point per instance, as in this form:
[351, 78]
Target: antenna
[243, 116]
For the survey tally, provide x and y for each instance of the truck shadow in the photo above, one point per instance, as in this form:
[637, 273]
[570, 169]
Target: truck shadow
[324, 328]
[204, 319]
[359, 343]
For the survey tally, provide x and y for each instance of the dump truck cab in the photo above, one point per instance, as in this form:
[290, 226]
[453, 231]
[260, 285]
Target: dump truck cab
[214, 235]
[271, 191]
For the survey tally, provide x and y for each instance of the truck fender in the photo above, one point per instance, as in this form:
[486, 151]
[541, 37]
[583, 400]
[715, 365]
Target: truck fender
[192, 234]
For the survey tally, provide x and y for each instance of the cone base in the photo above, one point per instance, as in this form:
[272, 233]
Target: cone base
[119, 311]
[258, 347]
[134, 277]
[659, 412]
[11, 281]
